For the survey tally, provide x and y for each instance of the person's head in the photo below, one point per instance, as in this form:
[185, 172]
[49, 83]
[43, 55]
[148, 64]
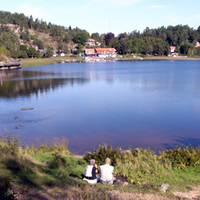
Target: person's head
[107, 160]
[92, 162]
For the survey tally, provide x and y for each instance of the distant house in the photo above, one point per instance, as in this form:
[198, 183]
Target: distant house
[98, 43]
[90, 41]
[197, 44]
[105, 52]
[61, 54]
[172, 49]
[89, 52]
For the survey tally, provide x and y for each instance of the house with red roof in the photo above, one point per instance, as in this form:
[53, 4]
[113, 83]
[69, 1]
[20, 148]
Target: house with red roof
[172, 49]
[90, 41]
[89, 52]
[106, 52]
[197, 44]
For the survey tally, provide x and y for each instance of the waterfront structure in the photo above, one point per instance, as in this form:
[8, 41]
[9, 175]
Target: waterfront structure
[89, 52]
[172, 49]
[106, 52]
[10, 64]
[197, 44]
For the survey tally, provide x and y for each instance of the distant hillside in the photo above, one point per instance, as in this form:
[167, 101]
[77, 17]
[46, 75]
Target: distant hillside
[23, 37]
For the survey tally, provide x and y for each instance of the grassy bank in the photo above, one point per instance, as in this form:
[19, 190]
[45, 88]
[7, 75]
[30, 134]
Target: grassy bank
[29, 172]
[32, 62]
[154, 58]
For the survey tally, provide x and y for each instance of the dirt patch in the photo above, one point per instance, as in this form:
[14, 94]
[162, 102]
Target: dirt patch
[193, 194]
[138, 196]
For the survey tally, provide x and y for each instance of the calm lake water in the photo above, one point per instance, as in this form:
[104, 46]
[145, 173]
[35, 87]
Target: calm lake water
[152, 104]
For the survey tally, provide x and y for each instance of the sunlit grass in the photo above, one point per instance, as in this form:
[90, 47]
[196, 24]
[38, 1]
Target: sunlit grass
[33, 62]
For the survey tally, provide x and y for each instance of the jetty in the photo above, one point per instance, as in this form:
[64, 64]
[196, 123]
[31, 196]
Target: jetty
[10, 64]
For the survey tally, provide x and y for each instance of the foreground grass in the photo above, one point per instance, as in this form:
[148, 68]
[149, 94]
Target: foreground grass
[33, 62]
[43, 169]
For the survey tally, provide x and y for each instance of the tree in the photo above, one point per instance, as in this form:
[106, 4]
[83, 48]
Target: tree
[108, 37]
[60, 47]
[49, 52]
[30, 22]
[68, 37]
[79, 49]
[31, 52]
[80, 38]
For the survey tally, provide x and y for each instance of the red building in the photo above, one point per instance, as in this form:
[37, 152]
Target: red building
[105, 52]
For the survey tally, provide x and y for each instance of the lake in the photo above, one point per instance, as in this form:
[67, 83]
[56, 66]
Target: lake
[145, 104]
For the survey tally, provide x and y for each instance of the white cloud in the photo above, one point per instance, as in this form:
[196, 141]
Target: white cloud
[198, 17]
[156, 6]
[103, 22]
[172, 18]
[28, 10]
[114, 3]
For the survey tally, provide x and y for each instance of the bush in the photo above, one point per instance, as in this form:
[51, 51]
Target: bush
[102, 153]
[58, 160]
[5, 188]
[181, 158]
[140, 164]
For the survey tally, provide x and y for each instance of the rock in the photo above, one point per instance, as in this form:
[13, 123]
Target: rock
[46, 162]
[27, 108]
[16, 127]
[125, 184]
[186, 196]
[164, 187]
[16, 117]
[21, 124]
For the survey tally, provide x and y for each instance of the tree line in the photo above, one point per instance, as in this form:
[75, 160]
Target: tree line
[150, 41]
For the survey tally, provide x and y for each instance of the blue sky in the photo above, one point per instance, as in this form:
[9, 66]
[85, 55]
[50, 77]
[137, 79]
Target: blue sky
[117, 16]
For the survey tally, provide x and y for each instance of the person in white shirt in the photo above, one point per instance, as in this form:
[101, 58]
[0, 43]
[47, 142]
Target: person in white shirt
[105, 171]
[90, 172]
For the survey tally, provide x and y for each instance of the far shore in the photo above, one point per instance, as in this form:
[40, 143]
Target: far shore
[33, 62]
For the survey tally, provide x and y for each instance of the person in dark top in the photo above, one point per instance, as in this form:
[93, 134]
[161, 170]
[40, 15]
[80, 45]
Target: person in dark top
[90, 172]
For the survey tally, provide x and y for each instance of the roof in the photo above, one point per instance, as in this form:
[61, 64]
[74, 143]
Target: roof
[91, 40]
[172, 47]
[90, 51]
[105, 49]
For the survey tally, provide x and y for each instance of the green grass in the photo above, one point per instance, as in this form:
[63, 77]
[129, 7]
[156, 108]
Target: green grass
[143, 168]
[33, 62]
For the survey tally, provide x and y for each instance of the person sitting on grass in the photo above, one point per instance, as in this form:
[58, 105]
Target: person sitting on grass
[105, 171]
[90, 172]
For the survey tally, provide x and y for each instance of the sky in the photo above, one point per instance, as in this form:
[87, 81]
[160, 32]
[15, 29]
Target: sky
[103, 16]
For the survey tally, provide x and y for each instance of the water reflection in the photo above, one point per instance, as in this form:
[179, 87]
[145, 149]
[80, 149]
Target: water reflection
[24, 83]
[113, 103]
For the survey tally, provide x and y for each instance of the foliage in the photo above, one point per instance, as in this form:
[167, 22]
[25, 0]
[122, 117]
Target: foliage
[102, 153]
[49, 52]
[181, 158]
[108, 37]
[80, 37]
[58, 160]
[31, 52]
[6, 189]
[38, 43]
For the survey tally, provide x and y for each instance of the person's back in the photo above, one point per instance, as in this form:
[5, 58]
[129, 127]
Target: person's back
[106, 171]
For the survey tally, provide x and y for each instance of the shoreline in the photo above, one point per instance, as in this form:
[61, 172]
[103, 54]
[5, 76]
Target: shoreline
[35, 62]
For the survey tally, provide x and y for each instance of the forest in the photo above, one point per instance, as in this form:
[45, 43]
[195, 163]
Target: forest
[26, 34]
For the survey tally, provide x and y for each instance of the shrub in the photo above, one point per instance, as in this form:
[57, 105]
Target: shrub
[5, 188]
[181, 158]
[142, 163]
[102, 153]
[58, 160]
